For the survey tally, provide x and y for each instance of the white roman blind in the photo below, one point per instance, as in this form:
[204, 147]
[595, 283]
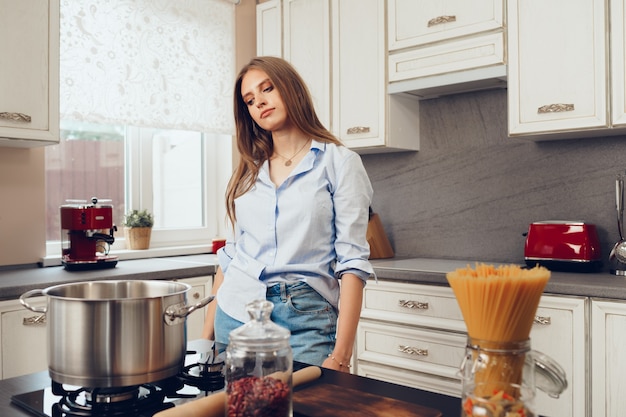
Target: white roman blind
[149, 63]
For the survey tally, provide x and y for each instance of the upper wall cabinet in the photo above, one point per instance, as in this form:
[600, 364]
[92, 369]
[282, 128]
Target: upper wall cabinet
[445, 46]
[339, 48]
[29, 86]
[558, 59]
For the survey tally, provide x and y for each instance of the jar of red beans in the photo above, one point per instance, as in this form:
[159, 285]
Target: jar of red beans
[259, 365]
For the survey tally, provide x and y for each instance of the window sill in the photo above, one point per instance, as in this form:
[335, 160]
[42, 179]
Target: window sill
[125, 254]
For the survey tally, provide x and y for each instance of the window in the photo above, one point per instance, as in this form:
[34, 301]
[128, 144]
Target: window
[178, 175]
[146, 117]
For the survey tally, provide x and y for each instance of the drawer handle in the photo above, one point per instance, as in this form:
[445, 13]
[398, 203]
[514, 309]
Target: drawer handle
[39, 320]
[358, 129]
[410, 304]
[441, 20]
[412, 350]
[544, 321]
[555, 108]
[16, 117]
[196, 295]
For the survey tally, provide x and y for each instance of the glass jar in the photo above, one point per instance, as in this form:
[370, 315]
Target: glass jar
[259, 366]
[500, 378]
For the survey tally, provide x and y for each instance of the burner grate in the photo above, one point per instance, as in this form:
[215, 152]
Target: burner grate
[126, 401]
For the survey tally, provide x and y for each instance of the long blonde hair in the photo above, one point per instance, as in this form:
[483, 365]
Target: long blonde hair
[255, 144]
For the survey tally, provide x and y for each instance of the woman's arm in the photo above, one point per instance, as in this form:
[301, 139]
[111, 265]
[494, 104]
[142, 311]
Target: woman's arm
[350, 300]
[209, 320]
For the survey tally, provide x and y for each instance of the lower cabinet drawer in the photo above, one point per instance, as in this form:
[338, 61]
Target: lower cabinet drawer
[412, 304]
[412, 379]
[421, 350]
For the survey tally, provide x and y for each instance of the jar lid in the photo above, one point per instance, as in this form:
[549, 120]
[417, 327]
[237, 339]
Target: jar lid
[549, 375]
[260, 333]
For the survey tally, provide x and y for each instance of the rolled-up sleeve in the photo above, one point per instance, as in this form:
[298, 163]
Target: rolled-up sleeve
[352, 198]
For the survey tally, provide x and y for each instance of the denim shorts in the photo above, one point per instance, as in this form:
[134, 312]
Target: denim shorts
[311, 320]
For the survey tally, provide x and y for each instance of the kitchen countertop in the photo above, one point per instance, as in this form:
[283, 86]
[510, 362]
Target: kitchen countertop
[15, 282]
[449, 406]
[433, 271]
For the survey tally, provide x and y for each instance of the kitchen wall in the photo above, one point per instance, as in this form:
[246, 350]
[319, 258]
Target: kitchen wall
[470, 192]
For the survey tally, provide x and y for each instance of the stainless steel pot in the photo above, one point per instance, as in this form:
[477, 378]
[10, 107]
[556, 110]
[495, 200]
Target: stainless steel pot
[115, 333]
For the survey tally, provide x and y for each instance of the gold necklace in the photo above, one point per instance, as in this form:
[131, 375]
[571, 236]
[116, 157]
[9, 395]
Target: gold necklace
[288, 161]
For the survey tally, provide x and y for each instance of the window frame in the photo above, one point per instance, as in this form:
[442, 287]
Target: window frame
[216, 171]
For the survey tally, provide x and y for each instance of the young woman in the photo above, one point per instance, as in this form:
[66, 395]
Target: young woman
[298, 206]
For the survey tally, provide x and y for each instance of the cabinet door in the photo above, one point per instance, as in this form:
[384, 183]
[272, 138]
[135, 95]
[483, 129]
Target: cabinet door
[269, 36]
[618, 62]
[359, 72]
[195, 321]
[557, 65]
[24, 340]
[563, 319]
[608, 362]
[419, 22]
[307, 46]
[29, 58]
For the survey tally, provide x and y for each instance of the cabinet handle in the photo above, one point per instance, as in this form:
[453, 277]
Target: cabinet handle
[39, 320]
[544, 321]
[410, 304]
[16, 117]
[440, 20]
[196, 295]
[412, 350]
[555, 108]
[358, 129]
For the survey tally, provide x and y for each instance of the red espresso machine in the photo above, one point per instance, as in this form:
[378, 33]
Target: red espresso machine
[87, 234]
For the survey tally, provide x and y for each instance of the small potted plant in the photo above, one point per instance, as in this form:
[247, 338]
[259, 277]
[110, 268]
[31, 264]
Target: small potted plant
[138, 228]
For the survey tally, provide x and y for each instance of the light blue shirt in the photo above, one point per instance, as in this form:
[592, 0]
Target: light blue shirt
[311, 228]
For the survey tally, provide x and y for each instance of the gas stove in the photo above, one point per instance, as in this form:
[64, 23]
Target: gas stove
[202, 375]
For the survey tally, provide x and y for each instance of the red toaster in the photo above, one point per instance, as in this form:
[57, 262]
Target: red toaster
[560, 245]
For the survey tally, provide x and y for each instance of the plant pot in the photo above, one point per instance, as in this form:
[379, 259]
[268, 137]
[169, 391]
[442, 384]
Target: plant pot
[137, 237]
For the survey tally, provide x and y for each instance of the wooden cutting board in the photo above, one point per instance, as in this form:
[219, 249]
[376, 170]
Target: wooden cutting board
[327, 400]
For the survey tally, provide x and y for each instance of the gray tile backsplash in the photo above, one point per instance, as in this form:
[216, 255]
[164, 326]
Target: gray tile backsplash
[471, 191]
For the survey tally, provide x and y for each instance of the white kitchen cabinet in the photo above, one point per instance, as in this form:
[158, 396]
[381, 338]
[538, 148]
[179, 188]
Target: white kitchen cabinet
[365, 117]
[420, 22]
[560, 331]
[23, 338]
[558, 82]
[608, 362]
[445, 46]
[29, 86]
[411, 334]
[269, 17]
[195, 321]
[338, 46]
[567, 91]
[432, 356]
[618, 62]
[414, 335]
[306, 40]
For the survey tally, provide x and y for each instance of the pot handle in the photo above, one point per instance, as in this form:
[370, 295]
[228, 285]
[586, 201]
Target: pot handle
[31, 293]
[177, 313]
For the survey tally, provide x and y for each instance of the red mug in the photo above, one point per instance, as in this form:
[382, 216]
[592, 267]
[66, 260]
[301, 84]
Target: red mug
[217, 244]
